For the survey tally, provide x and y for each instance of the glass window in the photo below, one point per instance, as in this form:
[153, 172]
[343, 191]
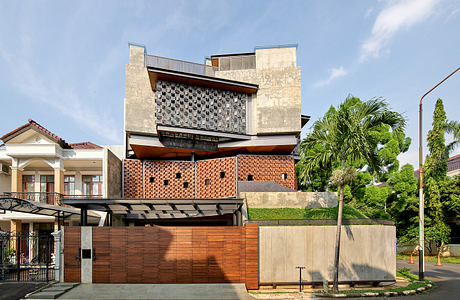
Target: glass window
[92, 185]
[28, 182]
[47, 183]
[69, 185]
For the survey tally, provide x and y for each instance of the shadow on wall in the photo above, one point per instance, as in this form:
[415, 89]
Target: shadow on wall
[348, 274]
[157, 254]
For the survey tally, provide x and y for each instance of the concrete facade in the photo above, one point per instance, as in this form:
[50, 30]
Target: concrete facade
[290, 199]
[112, 174]
[276, 106]
[368, 253]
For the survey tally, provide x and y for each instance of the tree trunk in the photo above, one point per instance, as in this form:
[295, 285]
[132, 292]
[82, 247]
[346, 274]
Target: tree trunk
[337, 242]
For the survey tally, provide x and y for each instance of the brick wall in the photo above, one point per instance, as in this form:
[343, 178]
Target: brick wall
[216, 178]
[267, 168]
[169, 179]
[132, 177]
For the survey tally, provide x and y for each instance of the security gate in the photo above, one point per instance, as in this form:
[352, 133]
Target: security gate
[26, 257]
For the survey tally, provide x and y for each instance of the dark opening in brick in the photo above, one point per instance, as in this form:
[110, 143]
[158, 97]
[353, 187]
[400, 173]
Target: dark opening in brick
[207, 182]
[185, 185]
[152, 179]
[250, 177]
[178, 175]
[166, 182]
[222, 174]
[284, 176]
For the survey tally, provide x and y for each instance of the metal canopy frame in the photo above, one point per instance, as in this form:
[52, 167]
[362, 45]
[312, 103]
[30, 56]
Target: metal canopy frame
[145, 209]
[37, 208]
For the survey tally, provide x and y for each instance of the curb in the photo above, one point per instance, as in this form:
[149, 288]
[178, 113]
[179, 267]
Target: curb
[40, 289]
[377, 294]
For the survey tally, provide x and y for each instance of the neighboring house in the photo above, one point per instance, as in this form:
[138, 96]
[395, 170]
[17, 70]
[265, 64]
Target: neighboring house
[453, 167]
[41, 167]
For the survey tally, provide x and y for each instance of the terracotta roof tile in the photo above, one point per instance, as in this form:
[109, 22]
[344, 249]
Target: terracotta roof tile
[84, 145]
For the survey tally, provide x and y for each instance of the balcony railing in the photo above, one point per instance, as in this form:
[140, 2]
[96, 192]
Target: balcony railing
[47, 198]
[178, 65]
[42, 197]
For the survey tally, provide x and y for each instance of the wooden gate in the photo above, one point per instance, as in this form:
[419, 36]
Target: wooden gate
[72, 244]
[174, 255]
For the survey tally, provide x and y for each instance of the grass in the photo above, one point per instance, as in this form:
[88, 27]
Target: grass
[302, 214]
[447, 259]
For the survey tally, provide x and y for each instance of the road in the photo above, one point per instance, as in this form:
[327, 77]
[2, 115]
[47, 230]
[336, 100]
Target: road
[446, 277]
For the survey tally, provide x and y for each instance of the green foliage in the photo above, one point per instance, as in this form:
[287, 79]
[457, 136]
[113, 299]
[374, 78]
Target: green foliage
[406, 273]
[436, 161]
[300, 213]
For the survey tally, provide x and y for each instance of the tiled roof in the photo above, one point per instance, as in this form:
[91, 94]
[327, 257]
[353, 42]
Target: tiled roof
[34, 125]
[84, 145]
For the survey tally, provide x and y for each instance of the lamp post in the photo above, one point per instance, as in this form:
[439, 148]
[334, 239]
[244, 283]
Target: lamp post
[421, 262]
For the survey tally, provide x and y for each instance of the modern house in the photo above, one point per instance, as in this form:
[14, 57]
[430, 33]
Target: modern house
[41, 168]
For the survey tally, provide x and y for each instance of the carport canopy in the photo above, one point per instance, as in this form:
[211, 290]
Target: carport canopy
[37, 208]
[144, 209]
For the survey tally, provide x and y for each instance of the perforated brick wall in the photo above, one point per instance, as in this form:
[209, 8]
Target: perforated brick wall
[267, 168]
[169, 179]
[132, 176]
[216, 178]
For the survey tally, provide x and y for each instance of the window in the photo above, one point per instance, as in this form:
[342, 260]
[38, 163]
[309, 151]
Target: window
[222, 174]
[250, 177]
[178, 175]
[69, 185]
[185, 185]
[28, 183]
[166, 182]
[92, 185]
[207, 182]
[284, 176]
[152, 179]
[47, 183]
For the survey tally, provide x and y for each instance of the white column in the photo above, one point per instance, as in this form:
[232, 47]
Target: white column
[87, 263]
[57, 255]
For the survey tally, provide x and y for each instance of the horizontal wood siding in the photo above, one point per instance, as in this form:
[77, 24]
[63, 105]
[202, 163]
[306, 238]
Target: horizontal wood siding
[176, 255]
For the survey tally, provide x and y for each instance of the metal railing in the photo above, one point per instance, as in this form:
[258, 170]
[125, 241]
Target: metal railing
[178, 65]
[41, 197]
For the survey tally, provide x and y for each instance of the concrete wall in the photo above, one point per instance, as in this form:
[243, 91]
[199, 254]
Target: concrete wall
[5, 183]
[139, 96]
[290, 199]
[112, 174]
[368, 252]
[276, 107]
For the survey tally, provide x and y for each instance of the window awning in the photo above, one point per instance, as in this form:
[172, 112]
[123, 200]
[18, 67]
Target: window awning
[32, 207]
[159, 208]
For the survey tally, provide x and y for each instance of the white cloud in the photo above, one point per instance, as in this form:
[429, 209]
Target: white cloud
[398, 15]
[334, 73]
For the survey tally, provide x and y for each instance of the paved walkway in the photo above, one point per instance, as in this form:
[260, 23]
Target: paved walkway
[158, 291]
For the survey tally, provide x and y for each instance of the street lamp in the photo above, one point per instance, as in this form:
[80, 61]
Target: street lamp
[421, 261]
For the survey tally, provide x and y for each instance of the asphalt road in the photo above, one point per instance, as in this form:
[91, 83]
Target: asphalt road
[446, 277]
[17, 290]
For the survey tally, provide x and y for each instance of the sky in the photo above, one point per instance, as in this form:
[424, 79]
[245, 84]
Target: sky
[62, 63]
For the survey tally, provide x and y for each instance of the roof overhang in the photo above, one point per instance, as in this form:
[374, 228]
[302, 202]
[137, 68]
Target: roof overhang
[304, 120]
[156, 74]
[143, 209]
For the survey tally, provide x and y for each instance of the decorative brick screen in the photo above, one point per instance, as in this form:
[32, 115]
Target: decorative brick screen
[169, 179]
[189, 106]
[216, 178]
[132, 187]
[277, 168]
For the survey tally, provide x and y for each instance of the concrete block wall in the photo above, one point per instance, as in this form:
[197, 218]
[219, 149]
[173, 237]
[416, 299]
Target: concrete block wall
[368, 253]
[267, 168]
[290, 199]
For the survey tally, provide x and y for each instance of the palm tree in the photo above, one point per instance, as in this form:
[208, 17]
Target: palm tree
[453, 127]
[346, 138]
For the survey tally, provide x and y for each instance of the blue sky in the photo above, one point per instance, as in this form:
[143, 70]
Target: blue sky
[62, 63]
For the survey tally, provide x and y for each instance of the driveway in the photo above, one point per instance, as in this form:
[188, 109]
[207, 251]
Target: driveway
[446, 277]
[17, 290]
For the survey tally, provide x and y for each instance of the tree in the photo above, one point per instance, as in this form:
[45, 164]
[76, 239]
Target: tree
[453, 127]
[346, 140]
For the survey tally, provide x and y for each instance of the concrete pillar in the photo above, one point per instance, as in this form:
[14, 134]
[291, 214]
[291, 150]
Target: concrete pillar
[59, 181]
[15, 226]
[57, 255]
[16, 180]
[86, 262]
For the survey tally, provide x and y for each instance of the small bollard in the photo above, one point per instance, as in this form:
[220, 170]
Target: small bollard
[326, 286]
[300, 277]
